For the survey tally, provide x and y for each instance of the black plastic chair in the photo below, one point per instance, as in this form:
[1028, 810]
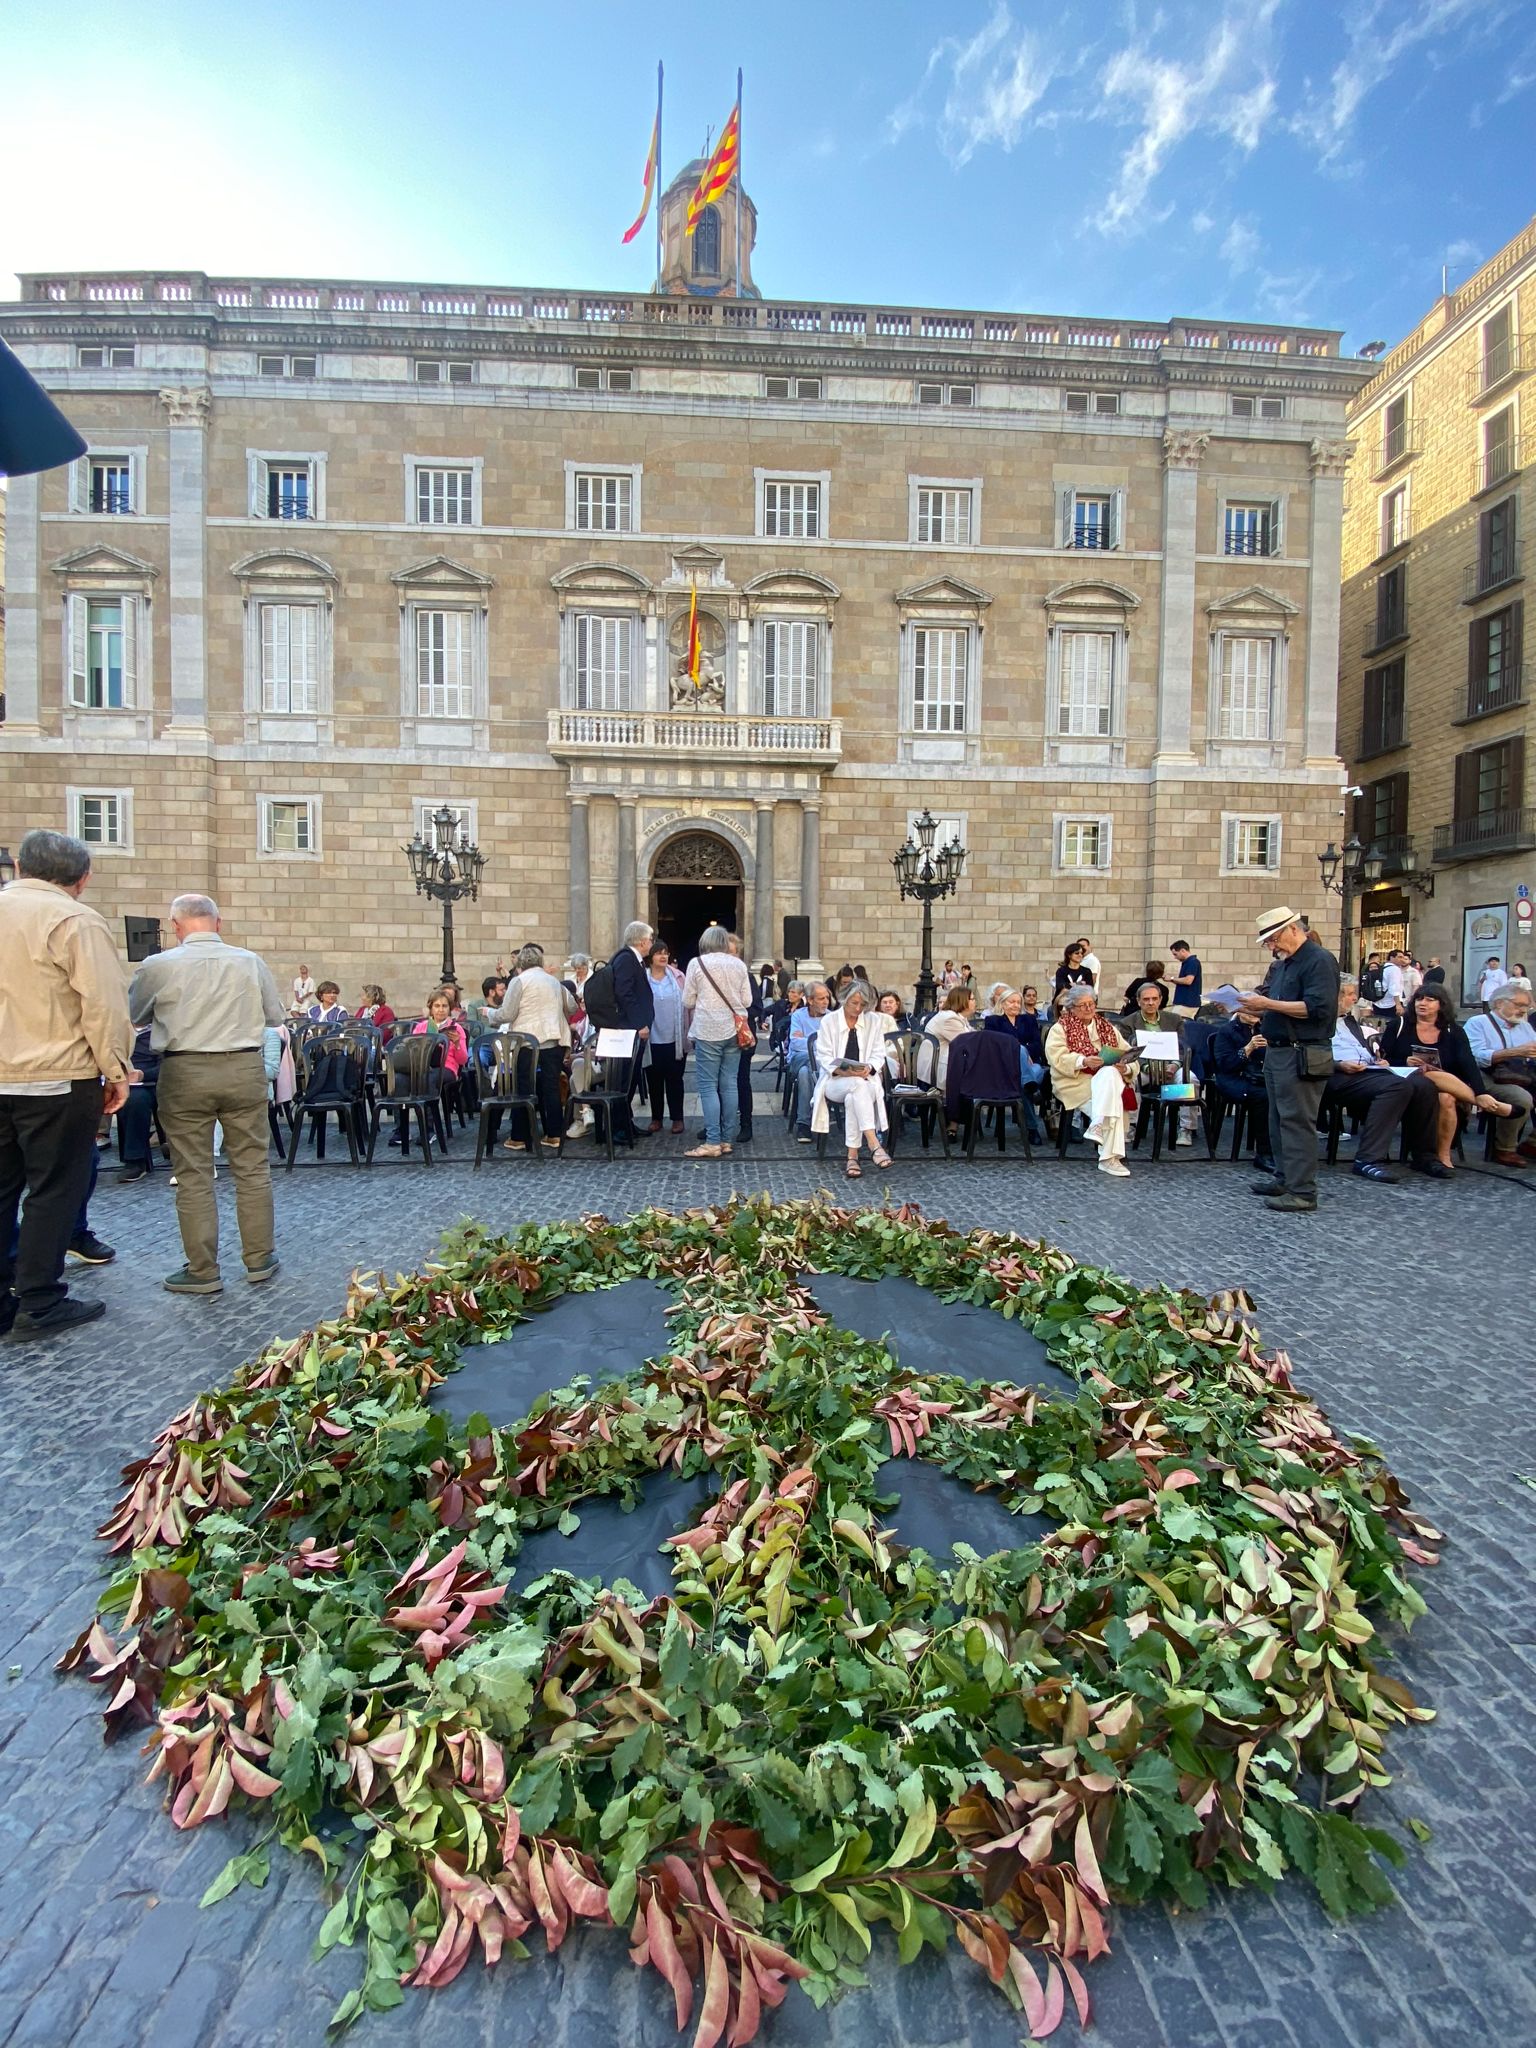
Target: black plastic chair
[603, 1087]
[331, 1072]
[983, 1075]
[508, 1084]
[911, 1090]
[411, 1078]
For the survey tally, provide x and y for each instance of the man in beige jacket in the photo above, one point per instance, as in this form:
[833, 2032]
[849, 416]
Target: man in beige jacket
[65, 1038]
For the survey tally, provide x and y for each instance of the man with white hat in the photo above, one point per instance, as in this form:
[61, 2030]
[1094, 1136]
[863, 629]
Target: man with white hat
[1299, 1007]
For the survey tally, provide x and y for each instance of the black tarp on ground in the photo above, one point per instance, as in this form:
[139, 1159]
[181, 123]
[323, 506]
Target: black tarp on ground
[934, 1511]
[611, 1544]
[604, 1334]
[929, 1335]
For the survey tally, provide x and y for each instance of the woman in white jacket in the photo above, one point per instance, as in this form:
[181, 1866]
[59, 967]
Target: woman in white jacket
[852, 1038]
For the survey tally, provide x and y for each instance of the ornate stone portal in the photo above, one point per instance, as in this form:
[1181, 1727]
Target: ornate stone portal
[696, 857]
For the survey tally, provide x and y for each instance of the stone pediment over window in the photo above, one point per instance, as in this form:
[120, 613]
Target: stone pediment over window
[103, 568]
[1089, 598]
[943, 594]
[438, 573]
[1254, 603]
[699, 564]
[599, 580]
[798, 587]
[278, 566]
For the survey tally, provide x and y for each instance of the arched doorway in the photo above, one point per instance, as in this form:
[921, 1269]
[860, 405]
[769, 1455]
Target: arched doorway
[695, 881]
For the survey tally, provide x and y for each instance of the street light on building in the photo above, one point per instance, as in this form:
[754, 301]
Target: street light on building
[1342, 874]
[447, 867]
[925, 873]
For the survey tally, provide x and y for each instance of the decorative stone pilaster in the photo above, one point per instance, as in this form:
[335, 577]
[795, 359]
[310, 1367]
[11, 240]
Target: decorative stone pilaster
[762, 885]
[579, 940]
[624, 912]
[186, 411]
[810, 870]
[1330, 460]
[1182, 453]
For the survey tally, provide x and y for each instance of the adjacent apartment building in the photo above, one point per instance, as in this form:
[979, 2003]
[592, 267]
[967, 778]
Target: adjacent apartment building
[1435, 707]
[343, 552]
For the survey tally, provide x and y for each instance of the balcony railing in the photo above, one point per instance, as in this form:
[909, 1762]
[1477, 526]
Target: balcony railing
[1397, 444]
[1499, 365]
[1384, 736]
[1493, 568]
[696, 733]
[1500, 690]
[1389, 623]
[1396, 850]
[1500, 462]
[1508, 831]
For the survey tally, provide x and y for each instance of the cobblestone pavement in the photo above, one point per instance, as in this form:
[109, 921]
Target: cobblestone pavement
[1407, 1310]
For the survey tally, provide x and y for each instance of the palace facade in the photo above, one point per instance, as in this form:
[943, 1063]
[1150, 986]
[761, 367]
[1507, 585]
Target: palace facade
[342, 552]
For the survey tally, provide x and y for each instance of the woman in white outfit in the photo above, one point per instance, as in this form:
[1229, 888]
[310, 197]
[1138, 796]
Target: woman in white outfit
[853, 1037]
[1089, 1070]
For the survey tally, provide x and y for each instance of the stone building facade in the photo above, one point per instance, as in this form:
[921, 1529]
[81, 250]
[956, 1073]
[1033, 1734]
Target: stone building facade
[1435, 707]
[342, 552]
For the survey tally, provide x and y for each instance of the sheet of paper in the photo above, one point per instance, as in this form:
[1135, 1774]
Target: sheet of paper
[615, 1045]
[1158, 1045]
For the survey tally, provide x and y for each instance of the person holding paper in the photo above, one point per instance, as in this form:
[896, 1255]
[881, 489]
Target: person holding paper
[1091, 1068]
[850, 1052]
[1162, 1062]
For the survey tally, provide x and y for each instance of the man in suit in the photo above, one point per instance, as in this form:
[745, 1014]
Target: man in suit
[637, 1010]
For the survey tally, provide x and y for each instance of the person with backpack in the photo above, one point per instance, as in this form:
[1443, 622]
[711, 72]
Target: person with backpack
[1371, 980]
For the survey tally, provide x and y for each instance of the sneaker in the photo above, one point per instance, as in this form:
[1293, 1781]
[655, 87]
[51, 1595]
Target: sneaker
[185, 1281]
[1185, 1138]
[1369, 1170]
[87, 1249]
[67, 1314]
[268, 1269]
[1117, 1167]
[1296, 1205]
[131, 1173]
[805, 1136]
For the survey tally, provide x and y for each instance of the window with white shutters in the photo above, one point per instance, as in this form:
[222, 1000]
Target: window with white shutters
[101, 664]
[604, 665]
[791, 668]
[289, 825]
[1251, 527]
[289, 491]
[944, 516]
[444, 664]
[445, 497]
[603, 502]
[290, 658]
[1250, 845]
[99, 818]
[1086, 685]
[111, 485]
[1083, 844]
[792, 509]
[940, 659]
[1244, 708]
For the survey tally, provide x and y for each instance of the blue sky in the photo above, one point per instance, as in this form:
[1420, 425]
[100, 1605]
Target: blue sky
[1267, 160]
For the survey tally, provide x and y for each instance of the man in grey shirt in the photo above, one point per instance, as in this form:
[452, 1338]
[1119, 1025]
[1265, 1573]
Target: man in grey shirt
[207, 1005]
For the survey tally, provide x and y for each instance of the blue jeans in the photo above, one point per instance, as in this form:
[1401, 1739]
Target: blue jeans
[1031, 1073]
[714, 1071]
[805, 1087]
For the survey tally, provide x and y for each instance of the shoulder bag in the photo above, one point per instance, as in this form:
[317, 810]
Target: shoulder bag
[745, 1035]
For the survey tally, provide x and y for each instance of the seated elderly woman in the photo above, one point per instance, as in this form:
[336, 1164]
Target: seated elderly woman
[1090, 1068]
[954, 1017]
[1023, 1026]
[850, 1052]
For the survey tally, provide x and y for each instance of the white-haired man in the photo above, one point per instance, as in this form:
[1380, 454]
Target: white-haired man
[1298, 1008]
[207, 1004]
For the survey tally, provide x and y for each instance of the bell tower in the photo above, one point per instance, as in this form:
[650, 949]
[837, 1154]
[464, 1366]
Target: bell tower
[703, 265]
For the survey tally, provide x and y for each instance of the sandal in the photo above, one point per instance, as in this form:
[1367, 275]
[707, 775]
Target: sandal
[854, 1170]
[881, 1157]
[703, 1152]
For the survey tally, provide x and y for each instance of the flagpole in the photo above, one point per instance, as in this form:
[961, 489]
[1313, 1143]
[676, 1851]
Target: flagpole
[738, 182]
[656, 287]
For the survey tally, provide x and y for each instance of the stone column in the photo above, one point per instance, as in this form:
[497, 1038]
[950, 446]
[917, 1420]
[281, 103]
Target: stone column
[810, 869]
[625, 912]
[1176, 643]
[23, 650]
[762, 893]
[1330, 459]
[187, 414]
[580, 937]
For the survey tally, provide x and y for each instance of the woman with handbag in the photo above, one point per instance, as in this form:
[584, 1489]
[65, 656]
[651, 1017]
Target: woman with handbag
[717, 996]
[1091, 1069]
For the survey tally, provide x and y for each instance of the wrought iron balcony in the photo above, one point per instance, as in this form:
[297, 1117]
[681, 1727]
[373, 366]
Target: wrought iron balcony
[1507, 831]
[1397, 445]
[1499, 690]
[694, 735]
[1383, 736]
[1500, 365]
[1496, 465]
[1493, 568]
[1388, 623]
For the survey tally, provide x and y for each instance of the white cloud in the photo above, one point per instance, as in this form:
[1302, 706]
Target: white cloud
[1378, 40]
[995, 81]
[1240, 247]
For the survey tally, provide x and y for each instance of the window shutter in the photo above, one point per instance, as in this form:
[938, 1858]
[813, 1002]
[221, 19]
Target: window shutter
[1229, 847]
[1514, 772]
[80, 485]
[1399, 805]
[1106, 841]
[1465, 798]
[1064, 515]
[1273, 844]
[1117, 520]
[77, 618]
[1515, 636]
[131, 651]
[1276, 536]
[1057, 835]
[1477, 652]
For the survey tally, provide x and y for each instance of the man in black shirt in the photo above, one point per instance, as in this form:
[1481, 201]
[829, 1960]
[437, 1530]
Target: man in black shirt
[1299, 1008]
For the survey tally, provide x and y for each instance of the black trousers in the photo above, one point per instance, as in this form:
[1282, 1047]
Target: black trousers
[1385, 1101]
[47, 1150]
[665, 1077]
[1294, 1101]
[744, 1087]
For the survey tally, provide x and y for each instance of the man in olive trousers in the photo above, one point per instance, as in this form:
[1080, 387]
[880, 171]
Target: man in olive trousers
[1298, 1009]
[207, 1005]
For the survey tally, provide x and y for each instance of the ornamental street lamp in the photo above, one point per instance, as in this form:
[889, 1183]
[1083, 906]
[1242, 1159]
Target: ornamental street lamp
[447, 867]
[926, 873]
[1341, 875]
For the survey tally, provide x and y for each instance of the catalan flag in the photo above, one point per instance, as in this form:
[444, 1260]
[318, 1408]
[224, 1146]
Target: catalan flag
[720, 169]
[693, 636]
[653, 158]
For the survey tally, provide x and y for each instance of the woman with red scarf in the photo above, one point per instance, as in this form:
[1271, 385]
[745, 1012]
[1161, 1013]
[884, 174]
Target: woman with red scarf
[1090, 1068]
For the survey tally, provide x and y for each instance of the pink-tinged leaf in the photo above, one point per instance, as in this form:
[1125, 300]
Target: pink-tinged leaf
[511, 1835]
[1055, 1999]
[1087, 1862]
[666, 1959]
[1130, 1511]
[429, 1969]
[1078, 1988]
[1183, 1477]
[1028, 1985]
[749, 2009]
[250, 1780]
[717, 1999]
[586, 1898]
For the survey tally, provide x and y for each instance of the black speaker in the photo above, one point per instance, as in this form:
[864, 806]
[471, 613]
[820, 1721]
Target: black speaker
[143, 937]
[797, 938]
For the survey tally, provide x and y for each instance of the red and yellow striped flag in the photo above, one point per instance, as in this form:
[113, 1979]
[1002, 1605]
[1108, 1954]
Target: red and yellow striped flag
[650, 177]
[693, 636]
[720, 169]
